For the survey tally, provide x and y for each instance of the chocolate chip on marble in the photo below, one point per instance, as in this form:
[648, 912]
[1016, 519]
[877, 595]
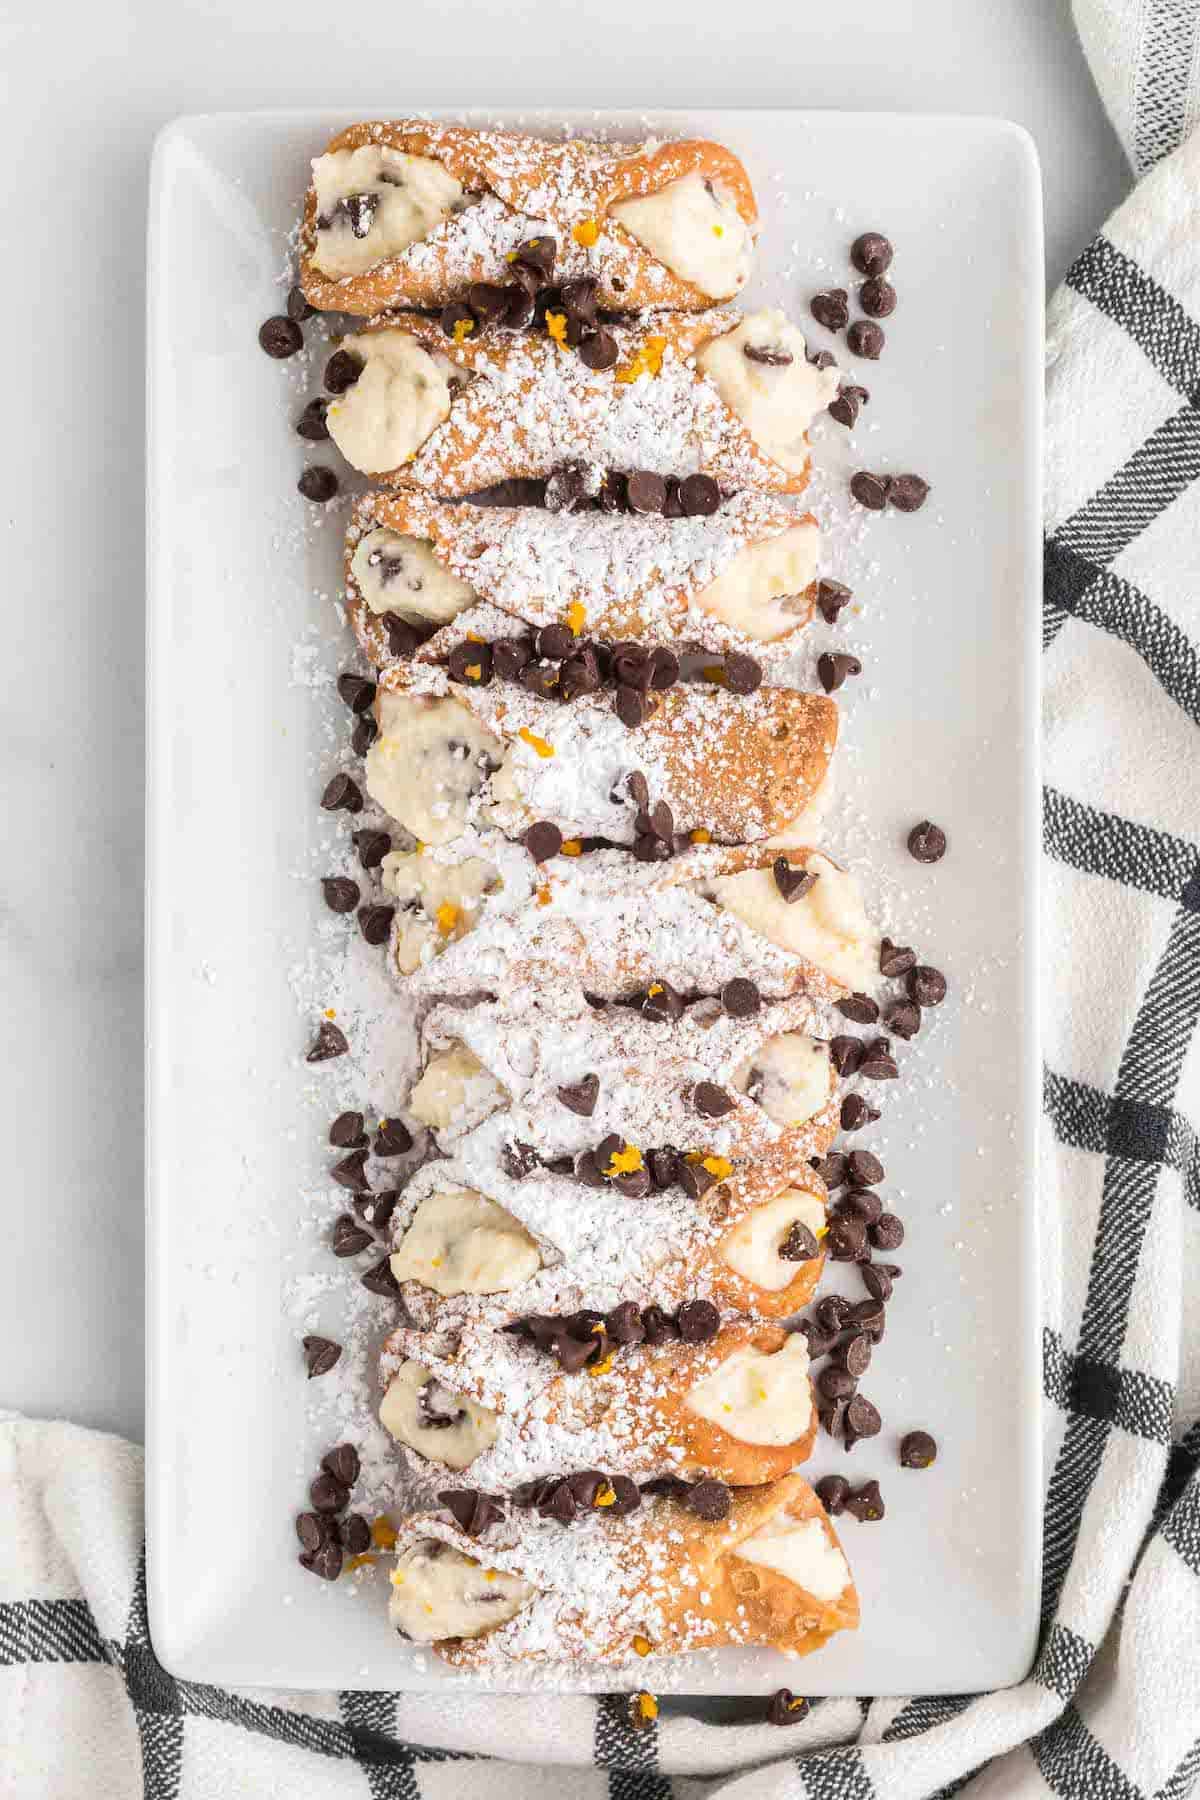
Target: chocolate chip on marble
[870, 1315]
[877, 1281]
[858, 1007]
[836, 1382]
[847, 403]
[380, 1280]
[318, 483]
[330, 1041]
[831, 308]
[280, 336]
[326, 1561]
[927, 986]
[878, 1063]
[698, 1321]
[864, 1203]
[320, 1354]
[311, 424]
[364, 734]
[355, 691]
[353, 1534]
[862, 1421]
[380, 1209]
[375, 922]
[907, 493]
[887, 1233]
[348, 1237]
[820, 1343]
[342, 795]
[833, 1492]
[895, 959]
[830, 1312]
[866, 339]
[917, 1450]
[832, 596]
[342, 371]
[372, 847]
[857, 1112]
[833, 667]
[856, 1353]
[865, 1169]
[927, 842]
[871, 253]
[341, 894]
[393, 1138]
[866, 1503]
[832, 1168]
[314, 1529]
[846, 1239]
[877, 297]
[904, 1018]
[327, 1493]
[869, 490]
[846, 1053]
[792, 884]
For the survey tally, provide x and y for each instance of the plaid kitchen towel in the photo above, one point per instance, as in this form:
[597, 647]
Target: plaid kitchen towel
[1112, 1706]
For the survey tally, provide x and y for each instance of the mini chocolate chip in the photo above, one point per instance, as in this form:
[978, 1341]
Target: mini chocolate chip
[472, 1510]
[519, 1160]
[887, 1233]
[543, 840]
[846, 1239]
[710, 1500]
[871, 253]
[330, 1041]
[325, 1561]
[342, 1462]
[699, 496]
[581, 1096]
[297, 305]
[832, 1414]
[904, 1018]
[830, 1312]
[907, 493]
[348, 1237]
[662, 1002]
[847, 403]
[834, 666]
[857, 1112]
[864, 1203]
[831, 309]
[342, 371]
[664, 669]
[554, 641]
[488, 301]
[695, 1179]
[895, 959]
[865, 1170]
[878, 1063]
[786, 1708]
[926, 986]
[831, 1168]
[877, 1281]
[772, 356]
[457, 314]
[280, 336]
[799, 1245]
[393, 1138]
[698, 1321]
[647, 493]
[862, 1420]
[631, 707]
[538, 253]
[865, 338]
[927, 842]
[624, 1323]
[372, 847]
[740, 998]
[520, 307]
[328, 1494]
[341, 894]
[354, 1534]
[711, 1101]
[846, 1053]
[870, 1315]
[743, 674]
[836, 1383]
[636, 788]
[869, 490]
[380, 1280]
[320, 1354]
[380, 1212]
[833, 1492]
[831, 597]
[628, 1496]
[342, 795]
[820, 1343]
[663, 1165]
[402, 635]
[470, 664]
[659, 1327]
[859, 1007]
[866, 1503]
[375, 922]
[318, 483]
[598, 351]
[792, 884]
[510, 656]
[877, 297]
[540, 678]
[648, 847]
[311, 424]
[313, 1529]
[917, 1450]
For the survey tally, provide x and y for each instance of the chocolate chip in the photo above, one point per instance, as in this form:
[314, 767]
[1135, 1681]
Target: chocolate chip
[917, 1450]
[662, 1002]
[372, 847]
[927, 842]
[348, 1237]
[572, 1353]
[833, 1492]
[663, 1165]
[628, 1496]
[542, 841]
[740, 998]
[859, 1007]
[647, 493]
[887, 1233]
[456, 315]
[364, 734]
[904, 1018]
[772, 356]
[846, 1239]
[280, 336]
[341, 894]
[831, 1311]
[865, 338]
[699, 496]
[664, 668]
[624, 1323]
[579, 675]
[865, 1170]
[311, 424]
[821, 359]
[856, 1112]
[471, 1510]
[877, 297]
[320, 1354]
[743, 674]
[313, 1529]
[799, 1245]
[878, 1064]
[330, 1041]
[354, 1534]
[470, 664]
[866, 1502]
[636, 788]
[846, 1053]
[871, 253]
[877, 1281]
[698, 1321]
[328, 1494]
[870, 1315]
[649, 847]
[380, 1212]
[519, 1160]
[864, 1203]
[833, 668]
[847, 403]
[831, 1168]
[831, 597]
[631, 707]
[554, 641]
[711, 1101]
[581, 1096]
[792, 884]
[695, 1179]
[540, 678]
[297, 306]
[869, 490]
[831, 308]
[862, 1420]
[856, 1354]
[325, 1561]
[907, 493]
[402, 635]
[710, 1500]
[342, 1463]
[375, 922]
[393, 1138]
[342, 371]
[342, 795]
[786, 1708]
[380, 1280]
[926, 986]
[538, 253]
[510, 656]
[836, 1383]
[659, 1327]
[520, 307]
[318, 483]
[350, 1172]
[820, 1343]
[895, 959]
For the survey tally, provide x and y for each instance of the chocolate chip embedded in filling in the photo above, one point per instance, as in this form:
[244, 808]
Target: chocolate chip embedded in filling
[772, 356]
[437, 1407]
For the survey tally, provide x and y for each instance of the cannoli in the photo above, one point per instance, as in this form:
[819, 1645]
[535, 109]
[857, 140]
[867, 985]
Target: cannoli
[743, 579]
[716, 393]
[411, 213]
[738, 1405]
[617, 1585]
[456, 745]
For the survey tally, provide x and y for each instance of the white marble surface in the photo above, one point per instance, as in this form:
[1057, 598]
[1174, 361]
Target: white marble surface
[87, 87]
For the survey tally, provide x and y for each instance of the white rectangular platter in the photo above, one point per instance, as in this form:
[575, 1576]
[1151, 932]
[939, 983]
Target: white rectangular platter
[244, 642]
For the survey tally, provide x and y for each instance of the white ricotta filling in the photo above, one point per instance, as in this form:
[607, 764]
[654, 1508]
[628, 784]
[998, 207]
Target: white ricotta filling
[439, 902]
[800, 1551]
[402, 575]
[473, 1428]
[400, 399]
[751, 1249]
[760, 593]
[374, 202]
[695, 230]
[455, 1089]
[828, 925]
[776, 402]
[757, 1396]
[459, 1242]
[431, 757]
[437, 1593]
[788, 1076]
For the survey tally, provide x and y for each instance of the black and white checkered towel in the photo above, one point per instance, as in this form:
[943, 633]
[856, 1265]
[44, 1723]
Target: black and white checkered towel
[1112, 1707]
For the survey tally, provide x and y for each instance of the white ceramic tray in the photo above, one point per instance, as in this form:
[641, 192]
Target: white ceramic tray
[943, 724]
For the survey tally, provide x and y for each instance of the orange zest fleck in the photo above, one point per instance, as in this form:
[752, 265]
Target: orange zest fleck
[655, 987]
[647, 361]
[572, 847]
[699, 835]
[716, 675]
[535, 742]
[719, 1166]
[645, 1705]
[556, 325]
[359, 1562]
[474, 670]
[463, 329]
[606, 1495]
[331, 1012]
[543, 896]
[601, 1368]
[576, 616]
[642, 1645]
[447, 916]
[624, 1162]
[383, 1533]
[586, 232]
